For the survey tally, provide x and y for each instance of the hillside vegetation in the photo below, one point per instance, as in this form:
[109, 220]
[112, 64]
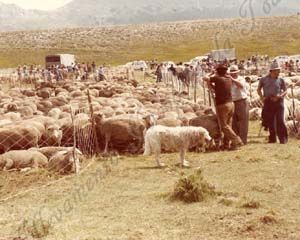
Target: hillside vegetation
[177, 41]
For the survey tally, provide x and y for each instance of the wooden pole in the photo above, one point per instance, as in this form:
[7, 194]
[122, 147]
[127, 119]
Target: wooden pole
[93, 122]
[76, 161]
[195, 88]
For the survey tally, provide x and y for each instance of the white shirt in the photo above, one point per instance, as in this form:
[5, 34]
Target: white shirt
[240, 93]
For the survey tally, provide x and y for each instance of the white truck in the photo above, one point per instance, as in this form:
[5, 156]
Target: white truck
[60, 59]
[222, 54]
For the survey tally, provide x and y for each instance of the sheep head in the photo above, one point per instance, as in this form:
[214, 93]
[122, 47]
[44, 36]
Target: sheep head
[98, 117]
[150, 120]
[71, 161]
[54, 134]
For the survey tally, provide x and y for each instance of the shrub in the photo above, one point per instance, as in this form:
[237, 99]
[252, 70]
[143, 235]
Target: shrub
[193, 188]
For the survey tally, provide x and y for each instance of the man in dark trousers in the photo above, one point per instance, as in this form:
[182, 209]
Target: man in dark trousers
[240, 121]
[221, 83]
[274, 91]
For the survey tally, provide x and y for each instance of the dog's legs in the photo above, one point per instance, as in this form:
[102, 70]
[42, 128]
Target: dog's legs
[183, 162]
[159, 163]
[107, 139]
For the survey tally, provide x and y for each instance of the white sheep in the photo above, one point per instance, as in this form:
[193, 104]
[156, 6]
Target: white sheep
[65, 161]
[22, 159]
[173, 139]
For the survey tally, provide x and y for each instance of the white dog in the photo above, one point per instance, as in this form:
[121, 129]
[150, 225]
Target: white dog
[174, 139]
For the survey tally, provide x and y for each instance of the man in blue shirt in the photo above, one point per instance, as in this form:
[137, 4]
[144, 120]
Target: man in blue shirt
[274, 91]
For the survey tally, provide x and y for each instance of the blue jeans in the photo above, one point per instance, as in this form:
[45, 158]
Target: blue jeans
[274, 117]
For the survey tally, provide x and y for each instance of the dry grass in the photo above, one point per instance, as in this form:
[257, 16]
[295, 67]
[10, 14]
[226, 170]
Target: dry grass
[129, 200]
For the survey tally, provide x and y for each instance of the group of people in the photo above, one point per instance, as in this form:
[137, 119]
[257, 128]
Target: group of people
[232, 104]
[251, 65]
[79, 71]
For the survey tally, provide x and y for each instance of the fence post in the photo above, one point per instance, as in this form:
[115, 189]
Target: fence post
[195, 88]
[93, 122]
[76, 160]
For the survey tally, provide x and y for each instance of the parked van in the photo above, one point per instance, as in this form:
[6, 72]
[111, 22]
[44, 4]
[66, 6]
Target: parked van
[60, 59]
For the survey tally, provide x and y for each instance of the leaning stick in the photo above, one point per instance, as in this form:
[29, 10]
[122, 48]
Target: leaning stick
[294, 108]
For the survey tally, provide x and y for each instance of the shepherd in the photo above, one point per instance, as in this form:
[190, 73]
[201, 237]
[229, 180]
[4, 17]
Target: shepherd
[274, 91]
[221, 83]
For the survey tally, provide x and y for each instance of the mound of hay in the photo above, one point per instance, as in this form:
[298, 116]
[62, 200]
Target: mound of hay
[193, 188]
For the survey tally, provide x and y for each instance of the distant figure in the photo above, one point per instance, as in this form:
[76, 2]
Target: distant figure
[158, 73]
[297, 66]
[101, 76]
[94, 67]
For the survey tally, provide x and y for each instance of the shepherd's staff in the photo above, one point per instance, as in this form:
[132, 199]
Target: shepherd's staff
[195, 88]
[294, 108]
[204, 90]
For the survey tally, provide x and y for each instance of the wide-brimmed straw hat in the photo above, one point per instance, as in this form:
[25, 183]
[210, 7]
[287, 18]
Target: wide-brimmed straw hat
[234, 69]
[274, 66]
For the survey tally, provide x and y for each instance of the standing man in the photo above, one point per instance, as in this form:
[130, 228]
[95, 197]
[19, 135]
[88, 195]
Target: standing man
[240, 120]
[101, 75]
[274, 91]
[158, 73]
[221, 83]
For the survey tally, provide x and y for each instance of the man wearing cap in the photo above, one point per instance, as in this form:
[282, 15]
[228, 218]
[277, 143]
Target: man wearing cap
[274, 91]
[240, 120]
[221, 83]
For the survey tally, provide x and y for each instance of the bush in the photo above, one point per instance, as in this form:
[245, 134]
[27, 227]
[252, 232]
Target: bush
[193, 188]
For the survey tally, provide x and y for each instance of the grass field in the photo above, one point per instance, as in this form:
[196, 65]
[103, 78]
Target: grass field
[128, 198]
[179, 41]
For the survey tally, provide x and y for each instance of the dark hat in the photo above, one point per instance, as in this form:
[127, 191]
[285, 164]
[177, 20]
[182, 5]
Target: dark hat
[222, 66]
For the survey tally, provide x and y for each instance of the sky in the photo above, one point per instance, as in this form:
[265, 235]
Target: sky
[38, 4]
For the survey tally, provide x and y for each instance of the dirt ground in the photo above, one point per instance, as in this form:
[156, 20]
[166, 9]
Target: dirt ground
[128, 198]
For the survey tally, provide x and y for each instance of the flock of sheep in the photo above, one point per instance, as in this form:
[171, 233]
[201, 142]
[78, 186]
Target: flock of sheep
[54, 125]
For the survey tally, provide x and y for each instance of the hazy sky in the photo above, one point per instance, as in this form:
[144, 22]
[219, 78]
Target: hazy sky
[38, 4]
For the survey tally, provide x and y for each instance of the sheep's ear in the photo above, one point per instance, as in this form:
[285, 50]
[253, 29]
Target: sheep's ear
[64, 152]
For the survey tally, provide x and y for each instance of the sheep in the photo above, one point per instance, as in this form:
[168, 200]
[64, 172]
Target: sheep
[64, 162]
[54, 113]
[123, 134]
[18, 138]
[49, 152]
[293, 128]
[22, 159]
[169, 122]
[49, 129]
[209, 122]
[174, 139]
[52, 136]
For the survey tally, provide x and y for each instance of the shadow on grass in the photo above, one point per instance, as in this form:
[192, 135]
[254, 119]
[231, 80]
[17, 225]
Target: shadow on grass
[256, 142]
[149, 168]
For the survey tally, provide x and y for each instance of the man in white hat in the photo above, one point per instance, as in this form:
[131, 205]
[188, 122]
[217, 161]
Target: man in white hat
[240, 120]
[274, 91]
